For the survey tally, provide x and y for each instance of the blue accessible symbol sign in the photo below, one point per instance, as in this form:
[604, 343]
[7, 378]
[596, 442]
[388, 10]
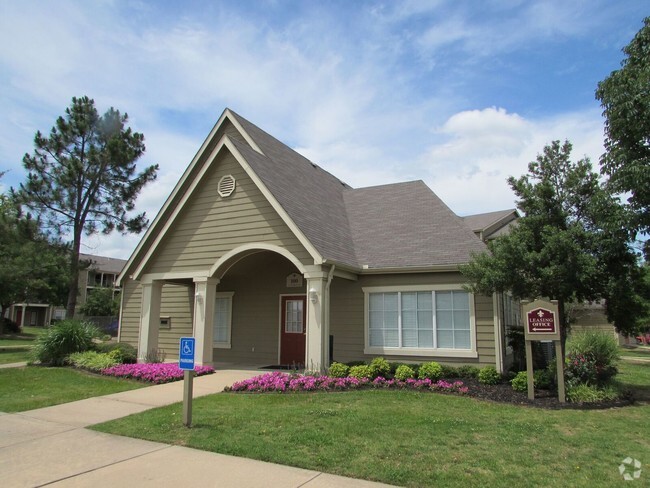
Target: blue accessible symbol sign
[186, 353]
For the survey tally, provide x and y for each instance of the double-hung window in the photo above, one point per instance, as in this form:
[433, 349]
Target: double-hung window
[420, 320]
[222, 325]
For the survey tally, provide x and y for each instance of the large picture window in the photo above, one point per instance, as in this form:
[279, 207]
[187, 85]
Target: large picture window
[419, 321]
[222, 324]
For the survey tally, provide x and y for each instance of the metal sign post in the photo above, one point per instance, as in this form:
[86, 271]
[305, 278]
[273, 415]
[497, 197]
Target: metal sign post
[186, 363]
[542, 324]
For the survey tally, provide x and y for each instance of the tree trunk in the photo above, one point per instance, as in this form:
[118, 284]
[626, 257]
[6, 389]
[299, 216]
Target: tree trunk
[73, 284]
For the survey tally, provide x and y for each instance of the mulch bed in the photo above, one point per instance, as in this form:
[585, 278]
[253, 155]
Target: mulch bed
[503, 393]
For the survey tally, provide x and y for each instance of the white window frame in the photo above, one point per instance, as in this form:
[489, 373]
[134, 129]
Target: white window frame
[228, 343]
[411, 351]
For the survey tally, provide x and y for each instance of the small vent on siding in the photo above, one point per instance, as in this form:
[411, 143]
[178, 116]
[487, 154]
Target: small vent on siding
[226, 186]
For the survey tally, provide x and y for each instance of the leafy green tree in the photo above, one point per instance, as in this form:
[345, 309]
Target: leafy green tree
[101, 302]
[82, 178]
[625, 98]
[571, 244]
[32, 266]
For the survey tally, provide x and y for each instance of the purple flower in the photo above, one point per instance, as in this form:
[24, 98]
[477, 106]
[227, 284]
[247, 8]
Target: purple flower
[153, 372]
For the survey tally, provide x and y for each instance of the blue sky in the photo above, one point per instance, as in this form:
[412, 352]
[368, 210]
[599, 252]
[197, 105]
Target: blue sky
[460, 94]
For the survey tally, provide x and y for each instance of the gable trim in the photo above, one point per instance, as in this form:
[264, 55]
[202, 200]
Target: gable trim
[318, 259]
[224, 142]
[248, 249]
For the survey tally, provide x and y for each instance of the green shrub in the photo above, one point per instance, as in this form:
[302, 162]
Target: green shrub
[431, 370]
[63, 339]
[591, 357]
[543, 378]
[449, 372]
[467, 371]
[338, 370]
[404, 372]
[489, 376]
[380, 367]
[126, 353]
[360, 371]
[93, 360]
[582, 393]
[520, 382]
[8, 326]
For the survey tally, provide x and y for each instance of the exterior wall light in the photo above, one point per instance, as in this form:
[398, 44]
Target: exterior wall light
[313, 295]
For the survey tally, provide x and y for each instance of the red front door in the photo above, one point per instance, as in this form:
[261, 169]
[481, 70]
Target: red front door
[293, 333]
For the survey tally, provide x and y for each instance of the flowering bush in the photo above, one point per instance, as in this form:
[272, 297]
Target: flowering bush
[284, 382]
[153, 372]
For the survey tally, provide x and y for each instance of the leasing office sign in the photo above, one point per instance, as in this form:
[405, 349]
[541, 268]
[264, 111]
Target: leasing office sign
[542, 324]
[541, 321]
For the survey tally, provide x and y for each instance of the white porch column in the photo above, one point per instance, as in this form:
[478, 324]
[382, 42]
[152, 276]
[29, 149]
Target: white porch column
[205, 290]
[22, 317]
[149, 318]
[318, 329]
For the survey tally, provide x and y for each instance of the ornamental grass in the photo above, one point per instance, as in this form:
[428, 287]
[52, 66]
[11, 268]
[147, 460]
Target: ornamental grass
[157, 373]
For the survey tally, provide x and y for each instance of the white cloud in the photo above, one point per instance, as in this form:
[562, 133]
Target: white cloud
[346, 87]
[485, 147]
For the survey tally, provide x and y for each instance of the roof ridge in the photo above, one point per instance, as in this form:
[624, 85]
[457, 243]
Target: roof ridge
[241, 119]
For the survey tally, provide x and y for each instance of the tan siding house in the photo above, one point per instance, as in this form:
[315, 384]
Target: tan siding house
[267, 259]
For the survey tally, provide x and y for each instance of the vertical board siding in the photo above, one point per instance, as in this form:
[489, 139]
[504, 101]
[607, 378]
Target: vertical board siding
[209, 226]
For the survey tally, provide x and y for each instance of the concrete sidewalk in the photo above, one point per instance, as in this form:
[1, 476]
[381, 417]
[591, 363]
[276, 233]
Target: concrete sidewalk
[50, 446]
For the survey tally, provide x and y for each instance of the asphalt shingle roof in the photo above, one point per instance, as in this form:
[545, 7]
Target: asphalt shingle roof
[102, 263]
[388, 226]
[480, 222]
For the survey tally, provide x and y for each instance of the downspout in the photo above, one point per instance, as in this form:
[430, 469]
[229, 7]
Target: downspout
[330, 276]
[498, 347]
[121, 314]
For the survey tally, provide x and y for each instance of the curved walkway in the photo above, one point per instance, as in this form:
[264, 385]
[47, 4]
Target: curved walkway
[51, 447]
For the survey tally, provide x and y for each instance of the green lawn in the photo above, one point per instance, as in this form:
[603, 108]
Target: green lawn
[412, 438]
[7, 357]
[636, 352]
[11, 345]
[35, 387]
[26, 337]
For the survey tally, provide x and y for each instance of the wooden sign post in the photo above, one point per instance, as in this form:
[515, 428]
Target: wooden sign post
[542, 324]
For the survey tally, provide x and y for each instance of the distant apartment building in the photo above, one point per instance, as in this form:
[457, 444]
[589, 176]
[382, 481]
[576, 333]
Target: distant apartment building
[101, 272]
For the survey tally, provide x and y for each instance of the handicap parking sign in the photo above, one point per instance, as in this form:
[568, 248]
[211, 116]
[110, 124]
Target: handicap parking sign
[186, 353]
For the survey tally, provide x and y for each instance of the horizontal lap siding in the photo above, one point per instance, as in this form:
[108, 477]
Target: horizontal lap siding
[484, 309]
[210, 226]
[257, 282]
[346, 320]
[130, 318]
[176, 303]
[347, 317]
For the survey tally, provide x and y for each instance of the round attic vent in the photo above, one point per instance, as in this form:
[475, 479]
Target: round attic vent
[226, 186]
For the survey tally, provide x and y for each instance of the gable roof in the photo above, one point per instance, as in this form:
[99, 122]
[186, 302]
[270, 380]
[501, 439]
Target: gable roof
[403, 225]
[406, 225]
[103, 263]
[492, 224]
